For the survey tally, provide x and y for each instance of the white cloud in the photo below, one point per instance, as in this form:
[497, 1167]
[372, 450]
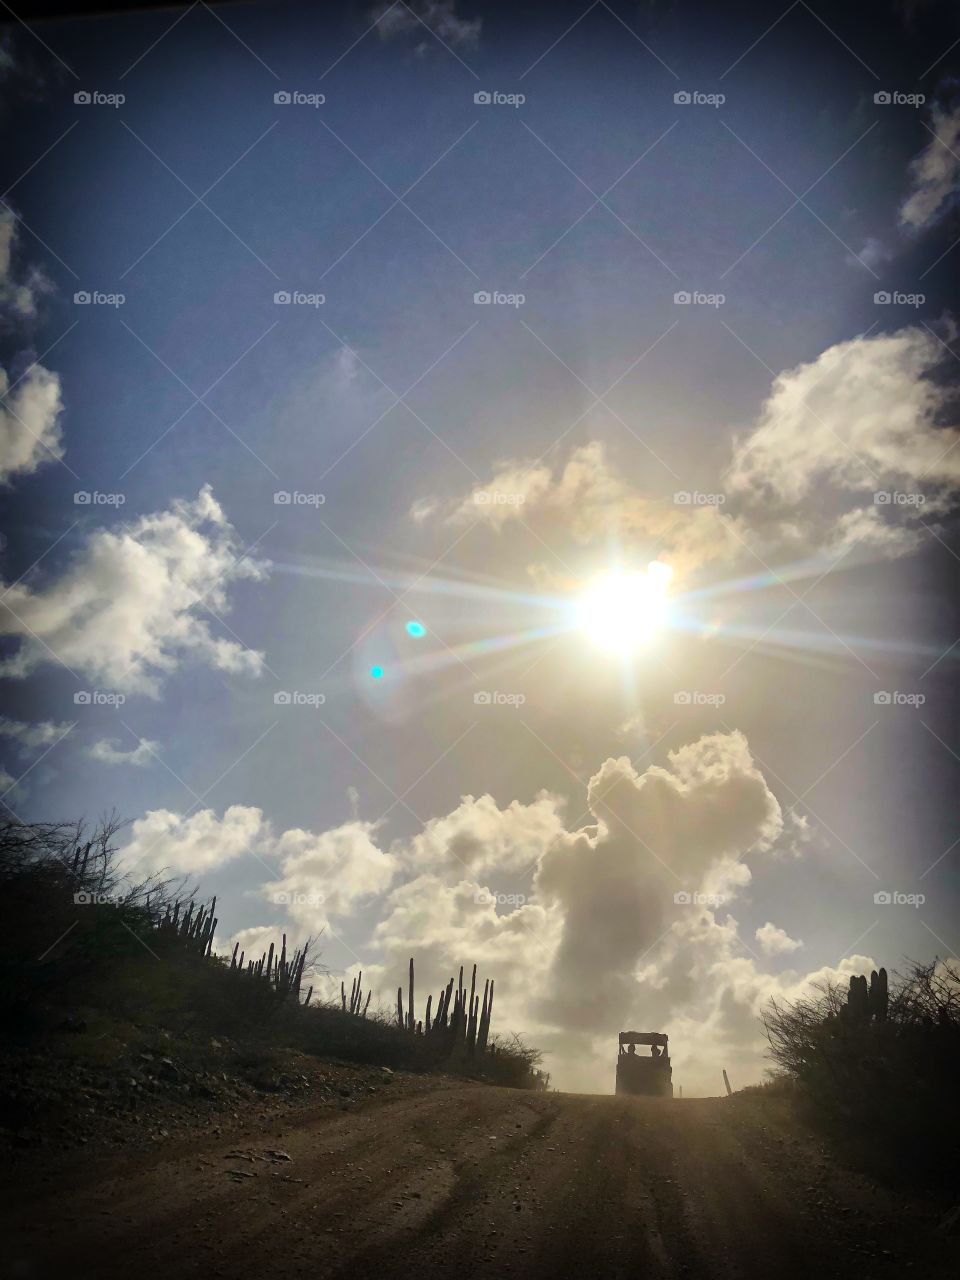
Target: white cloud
[125, 611]
[594, 941]
[873, 254]
[30, 737]
[164, 841]
[314, 876]
[18, 295]
[330, 873]
[142, 754]
[589, 941]
[29, 422]
[479, 837]
[934, 172]
[438, 16]
[861, 416]
[865, 417]
[776, 942]
[588, 500]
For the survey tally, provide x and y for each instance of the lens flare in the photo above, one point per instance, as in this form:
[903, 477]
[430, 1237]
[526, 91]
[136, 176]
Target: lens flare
[623, 609]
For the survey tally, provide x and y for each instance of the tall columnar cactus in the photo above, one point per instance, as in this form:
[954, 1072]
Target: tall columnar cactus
[411, 1025]
[878, 995]
[471, 1011]
[400, 1007]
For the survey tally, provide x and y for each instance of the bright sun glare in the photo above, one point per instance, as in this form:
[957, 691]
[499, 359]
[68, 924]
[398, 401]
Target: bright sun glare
[623, 609]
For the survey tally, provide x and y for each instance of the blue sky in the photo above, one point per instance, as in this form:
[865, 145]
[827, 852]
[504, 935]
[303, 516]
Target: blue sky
[591, 404]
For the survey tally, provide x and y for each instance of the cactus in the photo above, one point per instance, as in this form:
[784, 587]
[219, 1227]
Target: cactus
[878, 995]
[411, 1026]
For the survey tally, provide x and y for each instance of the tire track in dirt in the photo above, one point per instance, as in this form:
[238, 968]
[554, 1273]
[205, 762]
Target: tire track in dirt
[482, 1182]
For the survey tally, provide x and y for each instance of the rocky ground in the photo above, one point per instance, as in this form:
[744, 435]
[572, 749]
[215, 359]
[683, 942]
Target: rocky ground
[89, 1089]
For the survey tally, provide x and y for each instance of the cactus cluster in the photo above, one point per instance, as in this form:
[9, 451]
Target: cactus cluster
[355, 996]
[867, 1003]
[460, 1016]
[195, 928]
[284, 975]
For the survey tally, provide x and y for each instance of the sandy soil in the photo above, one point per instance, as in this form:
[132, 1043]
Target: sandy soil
[470, 1180]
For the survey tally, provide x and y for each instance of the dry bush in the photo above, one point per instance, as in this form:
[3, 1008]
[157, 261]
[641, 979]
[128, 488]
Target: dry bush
[890, 1081]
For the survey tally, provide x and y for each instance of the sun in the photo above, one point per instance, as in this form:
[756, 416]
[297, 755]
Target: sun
[624, 609]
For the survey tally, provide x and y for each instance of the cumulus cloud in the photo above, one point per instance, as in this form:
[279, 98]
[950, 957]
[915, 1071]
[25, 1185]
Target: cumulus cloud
[865, 418]
[776, 942]
[106, 752]
[19, 291]
[328, 873]
[437, 16]
[592, 503]
[31, 737]
[659, 833]
[165, 841]
[863, 414]
[852, 448]
[31, 405]
[30, 412]
[624, 921]
[314, 876]
[126, 610]
[478, 836]
[935, 171]
[595, 938]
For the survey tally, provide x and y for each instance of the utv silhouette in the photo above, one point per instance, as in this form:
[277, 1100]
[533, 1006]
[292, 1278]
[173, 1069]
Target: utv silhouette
[651, 1075]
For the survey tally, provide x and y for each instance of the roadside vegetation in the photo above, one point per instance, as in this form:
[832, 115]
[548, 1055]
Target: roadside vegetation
[878, 1066]
[99, 968]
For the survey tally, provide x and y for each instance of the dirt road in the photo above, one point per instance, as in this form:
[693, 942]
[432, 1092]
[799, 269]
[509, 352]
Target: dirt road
[476, 1181]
